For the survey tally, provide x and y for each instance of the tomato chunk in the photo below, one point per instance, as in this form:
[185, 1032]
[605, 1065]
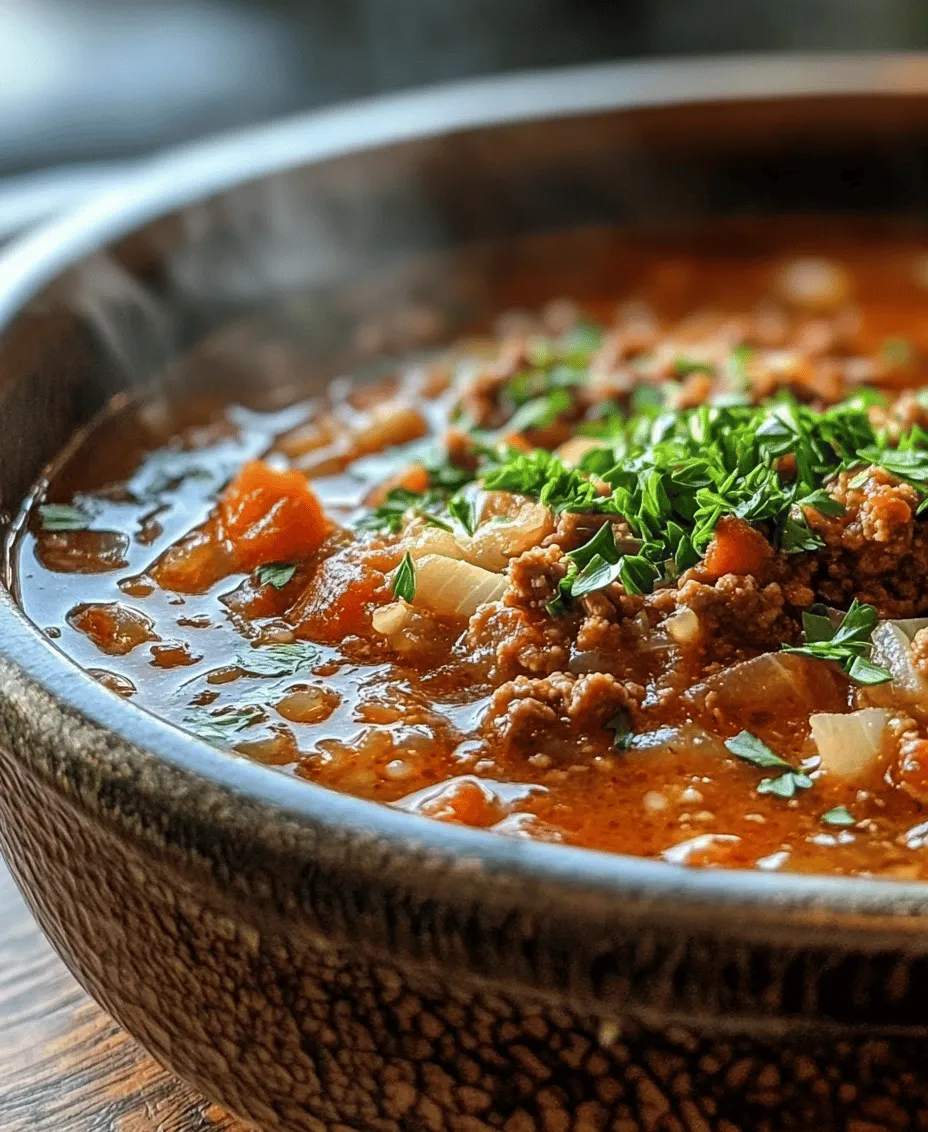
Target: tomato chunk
[337, 601]
[736, 548]
[271, 516]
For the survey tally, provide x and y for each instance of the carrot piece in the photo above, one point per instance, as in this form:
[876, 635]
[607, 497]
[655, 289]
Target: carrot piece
[337, 601]
[736, 548]
[195, 563]
[271, 516]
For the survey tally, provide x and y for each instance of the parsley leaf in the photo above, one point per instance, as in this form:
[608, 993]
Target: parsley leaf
[464, 508]
[785, 785]
[276, 574]
[63, 517]
[847, 645]
[218, 727]
[400, 502]
[755, 751]
[621, 726]
[404, 579]
[840, 815]
[278, 660]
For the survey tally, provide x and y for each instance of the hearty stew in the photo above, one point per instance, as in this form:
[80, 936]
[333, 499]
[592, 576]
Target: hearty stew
[648, 575]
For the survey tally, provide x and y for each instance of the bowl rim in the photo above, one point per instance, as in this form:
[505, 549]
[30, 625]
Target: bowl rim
[196, 171]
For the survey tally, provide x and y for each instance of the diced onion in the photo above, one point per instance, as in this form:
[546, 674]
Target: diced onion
[892, 648]
[687, 739]
[495, 542]
[452, 588]
[390, 619]
[683, 626]
[848, 744]
[432, 540]
[769, 680]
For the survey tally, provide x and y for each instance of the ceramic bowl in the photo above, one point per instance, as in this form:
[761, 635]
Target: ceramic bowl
[313, 961]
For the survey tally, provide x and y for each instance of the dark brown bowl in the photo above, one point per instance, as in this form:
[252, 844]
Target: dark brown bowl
[317, 962]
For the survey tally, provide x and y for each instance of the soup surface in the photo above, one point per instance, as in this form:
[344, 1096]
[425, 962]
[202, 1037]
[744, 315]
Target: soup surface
[648, 575]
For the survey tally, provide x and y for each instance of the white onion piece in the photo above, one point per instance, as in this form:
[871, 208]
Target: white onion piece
[452, 588]
[495, 542]
[683, 626]
[423, 540]
[848, 744]
[892, 649]
[909, 625]
[392, 618]
[768, 681]
[687, 739]
[572, 451]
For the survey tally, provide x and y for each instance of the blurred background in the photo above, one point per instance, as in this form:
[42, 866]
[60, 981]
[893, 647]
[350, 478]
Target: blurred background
[88, 85]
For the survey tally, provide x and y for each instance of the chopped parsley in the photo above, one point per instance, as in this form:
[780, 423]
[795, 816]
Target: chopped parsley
[63, 517]
[276, 574]
[464, 508]
[219, 728]
[752, 750]
[621, 727]
[847, 644]
[401, 503]
[672, 474]
[278, 660]
[404, 579]
[840, 815]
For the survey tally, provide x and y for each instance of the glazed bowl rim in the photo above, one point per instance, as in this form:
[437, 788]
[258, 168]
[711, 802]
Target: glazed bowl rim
[197, 171]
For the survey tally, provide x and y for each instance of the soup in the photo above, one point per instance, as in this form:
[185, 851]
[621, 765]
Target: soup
[647, 575]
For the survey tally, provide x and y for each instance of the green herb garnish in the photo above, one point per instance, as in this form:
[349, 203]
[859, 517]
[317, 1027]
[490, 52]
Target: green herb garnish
[404, 579]
[621, 727]
[218, 727]
[400, 503]
[752, 750]
[464, 508]
[785, 785]
[848, 644]
[278, 660]
[276, 574]
[840, 815]
[63, 517]
[540, 412]
[755, 751]
[672, 474]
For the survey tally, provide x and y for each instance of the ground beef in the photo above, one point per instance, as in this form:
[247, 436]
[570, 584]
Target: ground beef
[509, 641]
[736, 612]
[573, 530]
[881, 511]
[535, 577]
[560, 708]
[920, 651]
[877, 550]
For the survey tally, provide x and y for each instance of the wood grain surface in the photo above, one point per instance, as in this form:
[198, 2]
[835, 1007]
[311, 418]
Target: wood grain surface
[64, 1065]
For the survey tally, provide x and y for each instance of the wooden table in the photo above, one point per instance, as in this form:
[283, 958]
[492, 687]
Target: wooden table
[64, 1065]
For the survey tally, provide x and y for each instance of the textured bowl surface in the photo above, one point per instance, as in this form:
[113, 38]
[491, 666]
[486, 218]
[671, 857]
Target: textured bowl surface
[318, 962]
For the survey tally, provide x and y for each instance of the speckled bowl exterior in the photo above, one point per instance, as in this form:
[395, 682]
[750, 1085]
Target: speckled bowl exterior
[317, 962]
